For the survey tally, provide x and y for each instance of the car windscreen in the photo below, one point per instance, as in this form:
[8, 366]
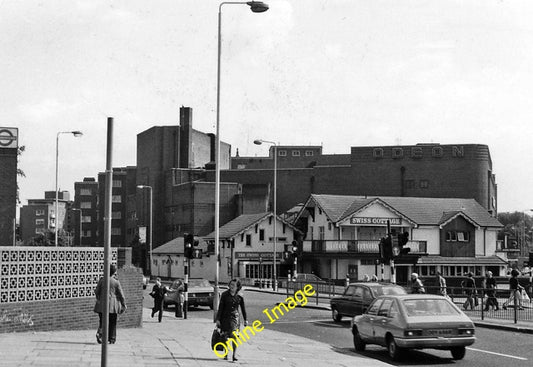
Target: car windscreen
[429, 307]
[199, 283]
[389, 290]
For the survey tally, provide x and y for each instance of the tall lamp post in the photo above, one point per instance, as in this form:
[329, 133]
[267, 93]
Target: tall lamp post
[256, 7]
[259, 142]
[76, 134]
[151, 221]
[78, 210]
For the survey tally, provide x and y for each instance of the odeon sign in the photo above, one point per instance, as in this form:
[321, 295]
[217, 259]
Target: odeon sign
[375, 220]
[8, 137]
[457, 151]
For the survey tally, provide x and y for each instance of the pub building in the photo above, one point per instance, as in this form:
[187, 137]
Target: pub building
[454, 236]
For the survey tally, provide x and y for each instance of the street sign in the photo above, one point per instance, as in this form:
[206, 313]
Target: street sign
[9, 137]
[142, 234]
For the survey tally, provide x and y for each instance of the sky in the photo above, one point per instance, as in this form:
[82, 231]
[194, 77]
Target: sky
[336, 73]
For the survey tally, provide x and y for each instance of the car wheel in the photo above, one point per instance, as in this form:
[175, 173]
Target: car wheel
[393, 349]
[358, 343]
[337, 317]
[458, 352]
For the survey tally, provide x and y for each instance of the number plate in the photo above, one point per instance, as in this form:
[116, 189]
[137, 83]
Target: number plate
[440, 332]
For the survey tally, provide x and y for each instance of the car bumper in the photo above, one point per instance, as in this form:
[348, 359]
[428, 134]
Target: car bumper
[200, 301]
[435, 342]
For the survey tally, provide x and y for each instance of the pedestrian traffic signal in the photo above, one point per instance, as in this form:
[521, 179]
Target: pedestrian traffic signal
[188, 242]
[403, 238]
[197, 253]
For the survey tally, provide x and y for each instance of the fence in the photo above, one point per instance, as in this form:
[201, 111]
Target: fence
[49, 288]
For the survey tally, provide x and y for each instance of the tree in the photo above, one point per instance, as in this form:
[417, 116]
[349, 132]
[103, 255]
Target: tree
[20, 172]
[514, 224]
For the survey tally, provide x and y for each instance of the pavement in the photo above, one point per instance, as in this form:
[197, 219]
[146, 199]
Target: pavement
[179, 342]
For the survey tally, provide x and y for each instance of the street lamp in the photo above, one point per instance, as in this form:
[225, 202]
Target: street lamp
[78, 210]
[259, 142]
[151, 220]
[76, 134]
[256, 7]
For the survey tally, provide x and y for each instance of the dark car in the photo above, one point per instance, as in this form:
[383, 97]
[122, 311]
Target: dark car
[200, 292]
[414, 321]
[358, 296]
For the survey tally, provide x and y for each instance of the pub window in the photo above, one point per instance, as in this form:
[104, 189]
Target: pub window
[295, 153]
[242, 237]
[256, 226]
[451, 236]
[249, 240]
[309, 153]
[424, 184]
[261, 235]
[39, 212]
[85, 192]
[282, 153]
[284, 228]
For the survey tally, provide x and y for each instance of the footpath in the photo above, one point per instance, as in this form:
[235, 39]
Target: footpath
[174, 342]
[178, 342]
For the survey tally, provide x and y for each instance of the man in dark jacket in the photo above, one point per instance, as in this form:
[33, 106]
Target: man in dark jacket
[158, 293]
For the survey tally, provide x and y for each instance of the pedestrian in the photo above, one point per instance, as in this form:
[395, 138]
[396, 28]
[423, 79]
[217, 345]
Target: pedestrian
[117, 304]
[490, 286]
[347, 280]
[158, 294]
[516, 289]
[366, 278]
[469, 287]
[416, 284]
[374, 278]
[441, 282]
[228, 317]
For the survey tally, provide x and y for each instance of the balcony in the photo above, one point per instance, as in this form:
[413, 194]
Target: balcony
[355, 246]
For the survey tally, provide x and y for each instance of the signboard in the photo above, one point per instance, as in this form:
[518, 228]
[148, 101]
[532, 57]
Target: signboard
[375, 220]
[258, 256]
[142, 234]
[9, 137]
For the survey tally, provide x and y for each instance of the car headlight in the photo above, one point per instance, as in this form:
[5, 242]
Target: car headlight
[412, 332]
[467, 331]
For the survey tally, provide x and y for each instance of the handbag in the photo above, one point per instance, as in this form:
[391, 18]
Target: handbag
[218, 336]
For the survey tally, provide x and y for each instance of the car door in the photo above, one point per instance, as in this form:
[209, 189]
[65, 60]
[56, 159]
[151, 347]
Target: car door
[381, 323]
[344, 302]
[366, 329]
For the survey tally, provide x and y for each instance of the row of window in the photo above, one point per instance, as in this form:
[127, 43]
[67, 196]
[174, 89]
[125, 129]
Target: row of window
[449, 270]
[89, 192]
[411, 184]
[295, 153]
[457, 236]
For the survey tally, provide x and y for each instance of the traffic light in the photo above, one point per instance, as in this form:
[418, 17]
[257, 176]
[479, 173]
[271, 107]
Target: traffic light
[188, 241]
[403, 238]
[385, 248]
[197, 253]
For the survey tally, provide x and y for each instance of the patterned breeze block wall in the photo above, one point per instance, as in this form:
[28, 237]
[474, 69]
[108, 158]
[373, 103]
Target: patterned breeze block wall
[51, 288]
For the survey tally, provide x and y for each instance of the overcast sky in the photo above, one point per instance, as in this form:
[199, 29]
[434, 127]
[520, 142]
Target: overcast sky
[336, 73]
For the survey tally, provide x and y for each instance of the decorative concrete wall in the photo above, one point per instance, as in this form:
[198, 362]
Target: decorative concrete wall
[52, 288]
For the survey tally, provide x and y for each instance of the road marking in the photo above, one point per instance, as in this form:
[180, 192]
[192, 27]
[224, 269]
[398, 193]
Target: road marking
[327, 322]
[498, 354]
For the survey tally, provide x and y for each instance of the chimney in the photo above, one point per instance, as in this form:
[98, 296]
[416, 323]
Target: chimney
[185, 139]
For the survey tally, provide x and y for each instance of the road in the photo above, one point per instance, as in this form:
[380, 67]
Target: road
[493, 348]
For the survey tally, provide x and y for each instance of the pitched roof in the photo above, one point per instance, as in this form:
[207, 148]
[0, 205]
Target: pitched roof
[421, 211]
[171, 247]
[241, 224]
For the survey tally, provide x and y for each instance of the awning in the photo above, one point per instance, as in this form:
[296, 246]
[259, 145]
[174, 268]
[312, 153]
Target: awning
[447, 260]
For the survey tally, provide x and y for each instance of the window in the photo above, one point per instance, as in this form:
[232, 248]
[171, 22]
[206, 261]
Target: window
[39, 222]
[374, 307]
[86, 233]
[409, 184]
[424, 184]
[385, 306]
[309, 153]
[116, 199]
[321, 232]
[249, 240]
[86, 219]
[85, 205]
[282, 153]
[116, 231]
[86, 192]
[261, 235]
[295, 153]
[116, 215]
[39, 212]
[457, 236]
[117, 183]
[311, 233]
[39, 230]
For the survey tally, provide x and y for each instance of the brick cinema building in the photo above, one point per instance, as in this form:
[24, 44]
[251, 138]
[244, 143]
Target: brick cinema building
[8, 184]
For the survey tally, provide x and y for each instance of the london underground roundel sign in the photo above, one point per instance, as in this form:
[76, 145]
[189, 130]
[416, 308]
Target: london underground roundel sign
[8, 137]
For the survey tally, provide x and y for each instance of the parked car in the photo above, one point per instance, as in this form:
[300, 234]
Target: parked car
[414, 321]
[200, 292]
[358, 296]
[305, 277]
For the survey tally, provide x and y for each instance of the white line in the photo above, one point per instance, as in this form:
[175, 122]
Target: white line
[498, 354]
[328, 321]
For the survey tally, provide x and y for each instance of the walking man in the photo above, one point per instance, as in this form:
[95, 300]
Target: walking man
[158, 293]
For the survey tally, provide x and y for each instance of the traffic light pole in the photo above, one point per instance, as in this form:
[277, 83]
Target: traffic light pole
[186, 290]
